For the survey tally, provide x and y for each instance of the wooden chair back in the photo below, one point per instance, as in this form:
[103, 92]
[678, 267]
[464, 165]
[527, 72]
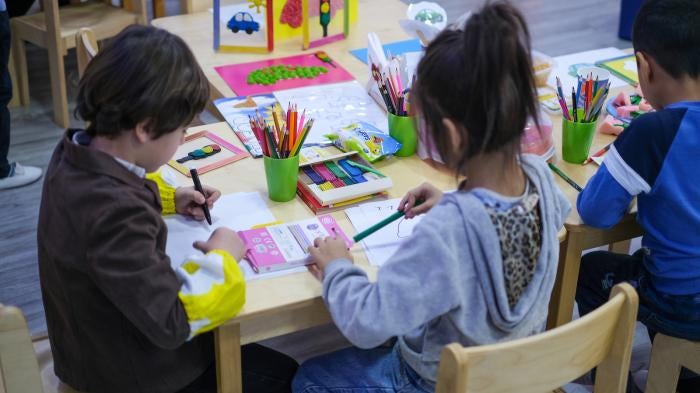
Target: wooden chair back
[668, 355]
[19, 370]
[544, 362]
[85, 48]
[191, 6]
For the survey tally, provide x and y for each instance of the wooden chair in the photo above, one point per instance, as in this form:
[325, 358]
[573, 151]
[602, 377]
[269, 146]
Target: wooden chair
[190, 6]
[85, 48]
[19, 371]
[668, 355]
[55, 30]
[544, 362]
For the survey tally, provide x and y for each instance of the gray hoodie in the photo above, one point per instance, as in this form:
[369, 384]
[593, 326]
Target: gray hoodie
[446, 284]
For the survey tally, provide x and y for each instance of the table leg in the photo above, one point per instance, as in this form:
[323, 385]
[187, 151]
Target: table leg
[227, 343]
[622, 247]
[561, 305]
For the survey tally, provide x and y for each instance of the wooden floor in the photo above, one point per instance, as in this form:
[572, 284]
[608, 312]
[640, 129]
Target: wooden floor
[557, 28]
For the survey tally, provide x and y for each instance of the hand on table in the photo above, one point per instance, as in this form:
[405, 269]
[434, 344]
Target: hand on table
[223, 239]
[325, 251]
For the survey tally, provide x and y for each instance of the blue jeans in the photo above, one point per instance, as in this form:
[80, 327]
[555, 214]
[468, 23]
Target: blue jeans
[353, 370]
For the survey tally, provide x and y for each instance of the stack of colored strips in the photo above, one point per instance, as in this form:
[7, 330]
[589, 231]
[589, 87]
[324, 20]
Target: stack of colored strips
[285, 138]
[593, 100]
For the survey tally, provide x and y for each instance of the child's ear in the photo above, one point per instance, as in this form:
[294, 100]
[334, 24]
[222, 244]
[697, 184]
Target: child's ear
[142, 132]
[453, 130]
[645, 67]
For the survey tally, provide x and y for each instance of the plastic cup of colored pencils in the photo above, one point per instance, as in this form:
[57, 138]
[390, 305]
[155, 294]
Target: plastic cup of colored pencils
[281, 141]
[403, 129]
[579, 119]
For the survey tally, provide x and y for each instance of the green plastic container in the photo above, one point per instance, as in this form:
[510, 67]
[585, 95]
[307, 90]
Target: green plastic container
[576, 139]
[403, 129]
[281, 175]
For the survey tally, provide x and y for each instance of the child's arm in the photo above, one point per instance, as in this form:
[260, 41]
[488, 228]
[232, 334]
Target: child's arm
[630, 168]
[182, 200]
[125, 262]
[419, 283]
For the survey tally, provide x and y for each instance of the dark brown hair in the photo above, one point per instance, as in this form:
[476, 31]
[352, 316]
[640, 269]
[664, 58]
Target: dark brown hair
[142, 74]
[480, 77]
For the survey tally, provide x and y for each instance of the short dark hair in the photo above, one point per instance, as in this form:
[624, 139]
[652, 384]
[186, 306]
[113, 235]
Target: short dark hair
[142, 74]
[481, 78]
[669, 32]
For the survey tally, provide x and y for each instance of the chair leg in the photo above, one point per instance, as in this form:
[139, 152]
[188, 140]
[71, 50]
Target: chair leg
[59, 93]
[664, 368]
[18, 71]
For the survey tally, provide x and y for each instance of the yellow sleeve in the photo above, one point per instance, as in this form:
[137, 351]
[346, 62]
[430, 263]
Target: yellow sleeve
[166, 188]
[213, 290]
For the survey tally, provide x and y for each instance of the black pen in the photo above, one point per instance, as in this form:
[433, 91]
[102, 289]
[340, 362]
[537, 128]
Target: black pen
[198, 187]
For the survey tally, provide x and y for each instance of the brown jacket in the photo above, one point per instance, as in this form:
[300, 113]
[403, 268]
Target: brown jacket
[111, 298]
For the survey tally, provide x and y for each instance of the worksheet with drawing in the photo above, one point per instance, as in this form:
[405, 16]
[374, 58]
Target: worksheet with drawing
[381, 245]
[237, 211]
[333, 107]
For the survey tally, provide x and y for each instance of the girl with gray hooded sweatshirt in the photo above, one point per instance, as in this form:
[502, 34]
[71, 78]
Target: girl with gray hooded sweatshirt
[480, 267]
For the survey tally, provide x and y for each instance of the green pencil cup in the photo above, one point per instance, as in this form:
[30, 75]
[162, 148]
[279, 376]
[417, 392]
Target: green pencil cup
[576, 139]
[403, 129]
[281, 175]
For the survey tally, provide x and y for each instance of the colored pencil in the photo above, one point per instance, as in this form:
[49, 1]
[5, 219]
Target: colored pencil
[365, 168]
[565, 177]
[598, 153]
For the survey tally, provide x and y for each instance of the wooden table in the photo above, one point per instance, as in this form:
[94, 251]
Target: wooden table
[291, 303]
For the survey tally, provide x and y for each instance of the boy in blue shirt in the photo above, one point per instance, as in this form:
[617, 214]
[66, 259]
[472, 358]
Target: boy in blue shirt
[655, 161]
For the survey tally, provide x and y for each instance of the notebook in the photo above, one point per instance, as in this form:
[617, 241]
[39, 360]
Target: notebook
[285, 246]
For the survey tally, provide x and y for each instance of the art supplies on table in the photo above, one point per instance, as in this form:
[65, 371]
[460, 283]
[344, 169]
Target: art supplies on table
[565, 177]
[624, 67]
[335, 106]
[285, 135]
[238, 211]
[342, 178]
[285, 246]
[267, 76]
[314, 154]
[393, 87]
[549, 100]
[198, 187]
[243, 26]
[395, 48]
[597, 157]
[386, 241]
[237, 111]
[627, 107]
[371, 143]
[324, 22]
[566, 67]
[591, 97]
[205, 151]
[538, 140]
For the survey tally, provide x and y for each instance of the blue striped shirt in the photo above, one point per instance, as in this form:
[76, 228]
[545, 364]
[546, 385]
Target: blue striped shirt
[655, 159]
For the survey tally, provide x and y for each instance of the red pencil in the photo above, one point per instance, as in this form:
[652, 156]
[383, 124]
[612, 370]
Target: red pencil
[598, 153]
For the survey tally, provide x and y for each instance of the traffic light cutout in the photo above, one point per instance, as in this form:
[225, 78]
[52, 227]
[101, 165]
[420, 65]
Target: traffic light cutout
[325, 15]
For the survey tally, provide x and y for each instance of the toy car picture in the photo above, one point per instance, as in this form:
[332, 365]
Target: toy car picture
[243, 21]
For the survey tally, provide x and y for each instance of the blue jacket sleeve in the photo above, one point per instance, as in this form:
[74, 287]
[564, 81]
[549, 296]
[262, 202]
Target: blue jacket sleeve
[604, 201]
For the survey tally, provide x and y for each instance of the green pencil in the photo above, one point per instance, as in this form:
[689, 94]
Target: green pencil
[366, 168]
[566, 178]
[381, 224]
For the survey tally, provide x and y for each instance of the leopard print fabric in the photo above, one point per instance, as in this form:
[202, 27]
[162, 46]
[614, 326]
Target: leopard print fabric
[519, 231]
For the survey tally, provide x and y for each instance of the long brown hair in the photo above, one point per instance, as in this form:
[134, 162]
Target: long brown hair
[480, 77]
[142, 74]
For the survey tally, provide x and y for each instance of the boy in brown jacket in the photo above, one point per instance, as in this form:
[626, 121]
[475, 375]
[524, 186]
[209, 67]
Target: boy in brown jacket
[119, 318]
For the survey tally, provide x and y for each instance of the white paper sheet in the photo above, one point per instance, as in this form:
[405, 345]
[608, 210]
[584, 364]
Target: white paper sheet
[381, 245]
[561, 69]
[236, 211]
[333, 107]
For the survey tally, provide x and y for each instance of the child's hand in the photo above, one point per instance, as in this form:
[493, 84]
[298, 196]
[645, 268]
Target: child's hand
[223, 239]
[327, 250]
[188, 201]
[427, 193]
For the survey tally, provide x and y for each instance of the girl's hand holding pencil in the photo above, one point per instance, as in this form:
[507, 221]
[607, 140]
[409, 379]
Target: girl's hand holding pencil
[420, 200]
[281, 140]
